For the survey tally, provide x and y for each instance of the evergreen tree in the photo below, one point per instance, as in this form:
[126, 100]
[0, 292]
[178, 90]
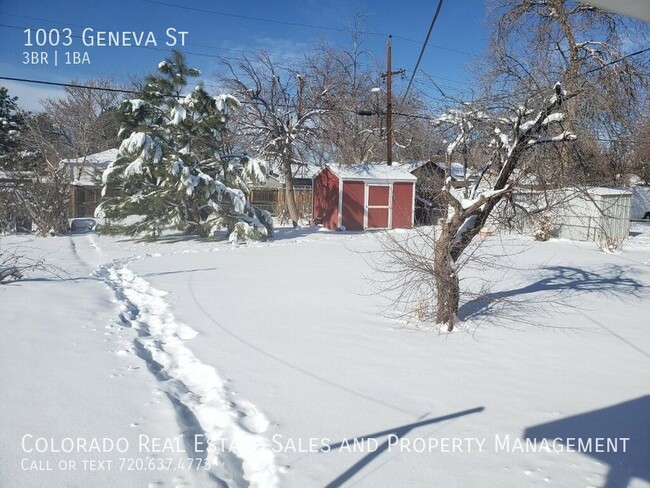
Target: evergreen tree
[172, 170]
[11, 124]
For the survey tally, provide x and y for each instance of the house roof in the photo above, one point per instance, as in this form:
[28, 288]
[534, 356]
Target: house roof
[303, 171]
[100, 158]
[457, 169]
[93, 166]
[371, 172]
[412, 164]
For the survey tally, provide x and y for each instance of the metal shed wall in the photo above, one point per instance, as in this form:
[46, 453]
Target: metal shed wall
[580, 215]
[595, 215]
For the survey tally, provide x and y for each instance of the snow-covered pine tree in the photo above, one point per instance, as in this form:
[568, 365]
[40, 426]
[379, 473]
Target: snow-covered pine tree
[172, 171]
[11, 124]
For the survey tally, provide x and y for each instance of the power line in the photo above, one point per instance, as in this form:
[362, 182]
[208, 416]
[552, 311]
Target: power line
[72, 85]
[340, 110]
[618, 60]
[299, 24]
[415, 116]
[68, 85]
[246, 17]
[523, 92]
[136, 92]
[424, 46]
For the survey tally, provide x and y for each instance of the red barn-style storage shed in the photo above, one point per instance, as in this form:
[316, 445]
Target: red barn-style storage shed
[364, 196]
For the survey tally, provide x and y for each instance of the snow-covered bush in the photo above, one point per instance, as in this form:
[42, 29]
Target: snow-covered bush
[545, 229]
[610, 244]
[172, 169]
[18, 262]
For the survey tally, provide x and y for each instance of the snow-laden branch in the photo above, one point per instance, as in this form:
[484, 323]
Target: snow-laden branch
[564, 136]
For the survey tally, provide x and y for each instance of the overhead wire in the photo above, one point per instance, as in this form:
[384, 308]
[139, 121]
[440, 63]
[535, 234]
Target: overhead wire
[300, 24]
[339, 110]
[424, 46]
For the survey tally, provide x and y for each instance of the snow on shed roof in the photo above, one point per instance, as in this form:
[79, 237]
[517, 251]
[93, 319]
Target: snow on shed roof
[371, 171]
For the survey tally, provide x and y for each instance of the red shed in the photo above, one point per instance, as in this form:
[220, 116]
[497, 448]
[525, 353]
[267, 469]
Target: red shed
[364, 196]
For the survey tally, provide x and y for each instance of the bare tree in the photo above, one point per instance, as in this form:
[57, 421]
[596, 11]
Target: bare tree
[76, 126]
[536, 43]
[512, 135]
[45, 195]
[278, 120]
[84, 121]
[344, 77]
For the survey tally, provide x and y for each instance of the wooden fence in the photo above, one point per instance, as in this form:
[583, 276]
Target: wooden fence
[274, 200]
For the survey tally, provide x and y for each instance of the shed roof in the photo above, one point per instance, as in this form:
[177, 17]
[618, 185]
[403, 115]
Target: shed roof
[371, 172]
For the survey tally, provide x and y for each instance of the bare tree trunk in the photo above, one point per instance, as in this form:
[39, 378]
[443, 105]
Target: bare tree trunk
[194, 218]
[446, 279]
[290, 197]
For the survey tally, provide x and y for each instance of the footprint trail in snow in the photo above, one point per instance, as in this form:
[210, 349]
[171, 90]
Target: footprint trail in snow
[227, 434]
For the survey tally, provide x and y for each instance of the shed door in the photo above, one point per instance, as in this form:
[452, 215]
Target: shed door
[402, 209]
[378, 206]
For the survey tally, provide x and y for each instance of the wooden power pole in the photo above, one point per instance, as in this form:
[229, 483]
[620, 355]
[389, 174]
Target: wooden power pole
[389, 102]
[389, 105]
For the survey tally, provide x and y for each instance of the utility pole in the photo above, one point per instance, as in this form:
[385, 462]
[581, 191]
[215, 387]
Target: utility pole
[389, 105]
[389, 102]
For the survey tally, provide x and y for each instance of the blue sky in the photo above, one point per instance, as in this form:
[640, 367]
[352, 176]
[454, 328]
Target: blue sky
[458, 38]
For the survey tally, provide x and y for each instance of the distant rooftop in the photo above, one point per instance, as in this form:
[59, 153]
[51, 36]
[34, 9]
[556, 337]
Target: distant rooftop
[101, 158]
[457, 169]
[90, 167]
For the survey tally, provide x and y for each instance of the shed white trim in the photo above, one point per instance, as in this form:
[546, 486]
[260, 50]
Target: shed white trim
[367, 206]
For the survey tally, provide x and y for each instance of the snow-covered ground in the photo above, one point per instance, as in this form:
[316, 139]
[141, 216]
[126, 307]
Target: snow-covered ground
[195, 363]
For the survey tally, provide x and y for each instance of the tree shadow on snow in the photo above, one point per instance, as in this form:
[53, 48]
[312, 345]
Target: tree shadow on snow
[287, 233]
[553, 290]
[179, 271]
[392, 439]
[618, 436]
[172, 239]
[279, 234]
